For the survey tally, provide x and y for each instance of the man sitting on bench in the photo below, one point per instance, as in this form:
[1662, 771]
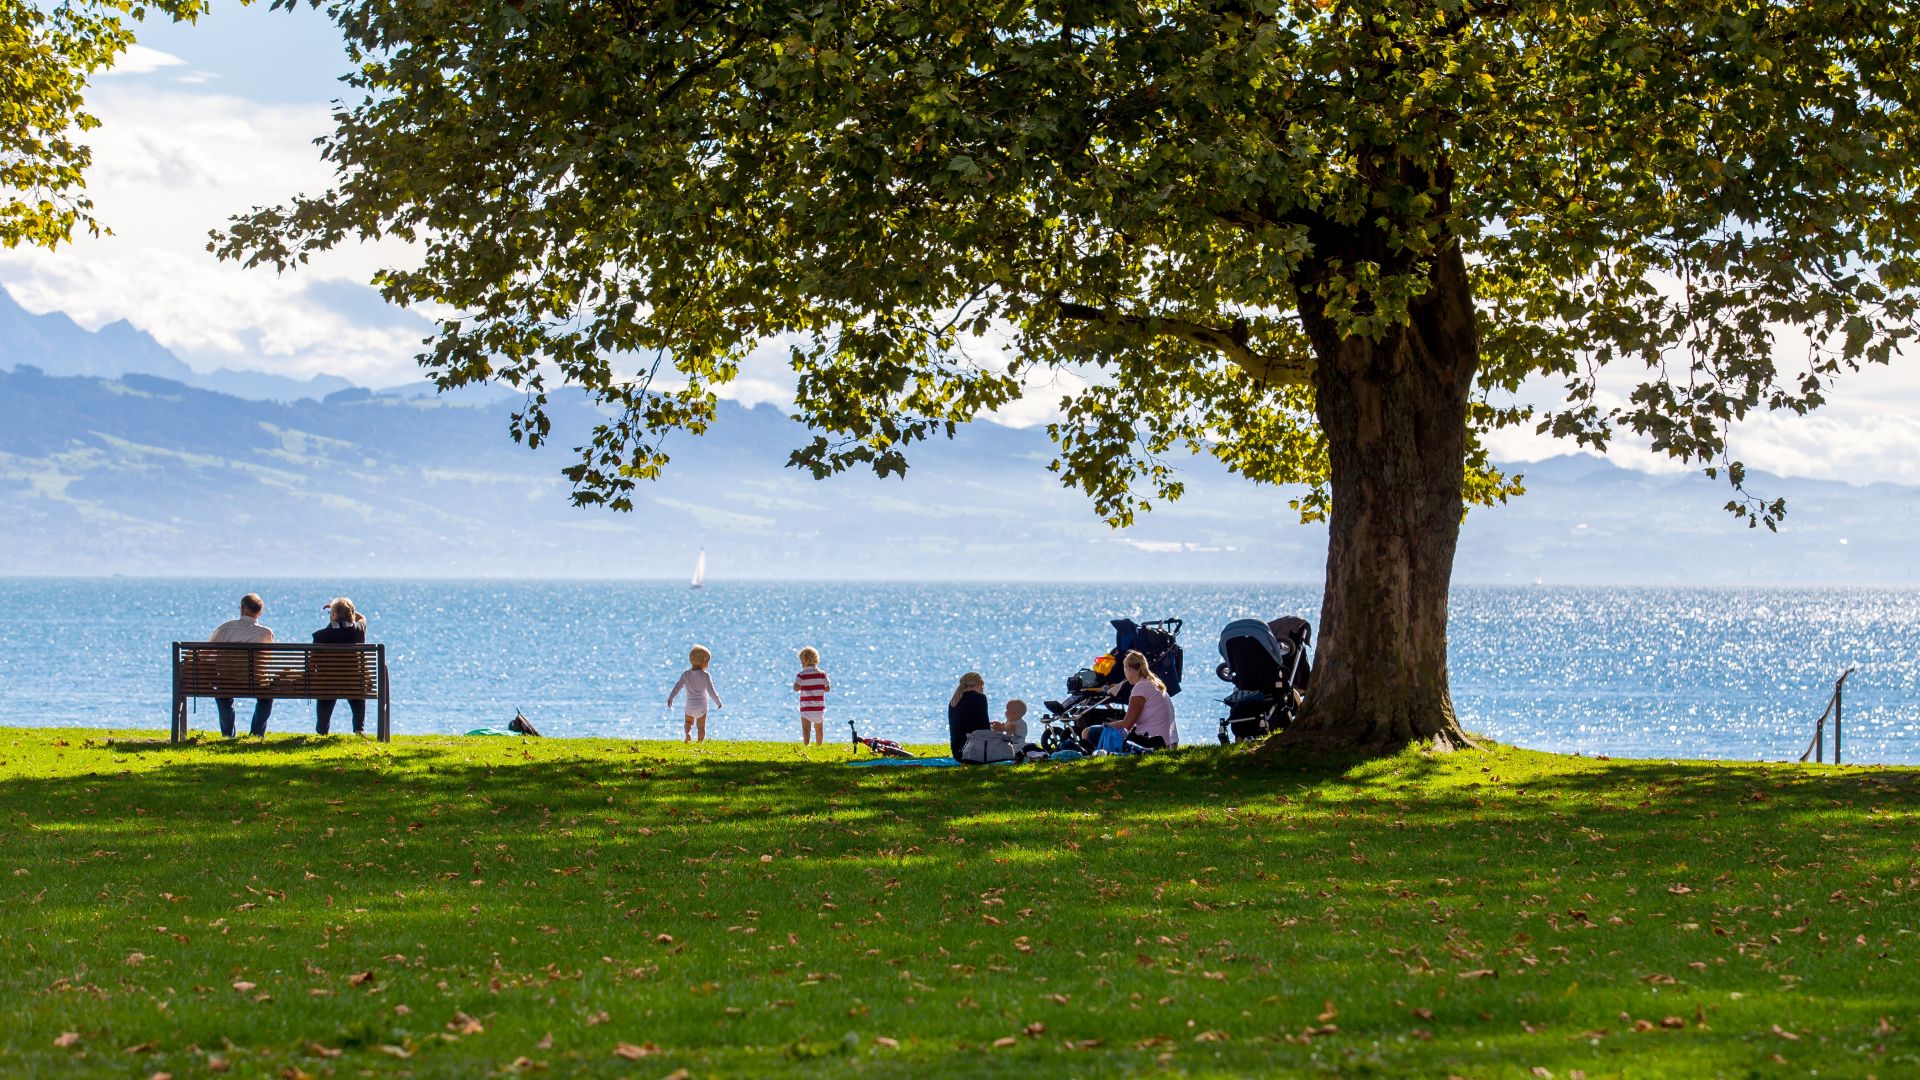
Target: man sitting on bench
[245, 629]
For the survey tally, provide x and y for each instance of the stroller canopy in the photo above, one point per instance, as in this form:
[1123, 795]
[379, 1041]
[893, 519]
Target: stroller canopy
[1158, 642]
[1263, 655]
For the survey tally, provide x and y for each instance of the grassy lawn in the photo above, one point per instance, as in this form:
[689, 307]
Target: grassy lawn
[471, 907]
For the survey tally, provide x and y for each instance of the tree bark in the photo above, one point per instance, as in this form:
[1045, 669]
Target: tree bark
[1394, 412]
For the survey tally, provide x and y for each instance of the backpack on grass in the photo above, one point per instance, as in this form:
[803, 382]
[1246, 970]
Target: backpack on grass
[986, 747]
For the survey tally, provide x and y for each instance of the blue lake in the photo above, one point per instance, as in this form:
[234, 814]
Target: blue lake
[1696, 673]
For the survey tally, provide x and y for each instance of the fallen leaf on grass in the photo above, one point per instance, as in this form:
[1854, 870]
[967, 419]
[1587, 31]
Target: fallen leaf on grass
[526, 1064]
[1672, 1022]
[462, 1024]
[1478, 973]
[1034, 1030]
[161, 1076]
[1421, 1013]
[1152, 1041]
[243, 987]
[66, 1039]
[882, 1040]
[1785, 1034]
[635, 1053]
[362, 977]
[217, 1064]
[598, 1018]
[1005, 1041]
[545, 1043]
[401, 1052]
[1327, 1013]
[142, 1048]
[1212, 1036]
[1083, 1044]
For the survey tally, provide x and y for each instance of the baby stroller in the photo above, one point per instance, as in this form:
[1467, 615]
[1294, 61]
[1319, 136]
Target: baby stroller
[1098, 694]
[1267, 664]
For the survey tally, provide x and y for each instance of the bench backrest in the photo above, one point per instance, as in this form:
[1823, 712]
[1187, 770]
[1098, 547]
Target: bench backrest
[292, 669]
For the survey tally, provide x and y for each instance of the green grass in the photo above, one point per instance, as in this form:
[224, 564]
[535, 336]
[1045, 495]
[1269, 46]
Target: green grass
[471, 907]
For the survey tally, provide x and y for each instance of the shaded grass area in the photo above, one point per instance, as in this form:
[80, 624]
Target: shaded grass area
[450, 906]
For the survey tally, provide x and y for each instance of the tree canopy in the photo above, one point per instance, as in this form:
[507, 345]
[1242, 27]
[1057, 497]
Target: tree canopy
[47, 54]
[1143, 191]
[1324, 240]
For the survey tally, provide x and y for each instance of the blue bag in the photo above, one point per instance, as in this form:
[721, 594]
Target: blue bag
[1112, 740]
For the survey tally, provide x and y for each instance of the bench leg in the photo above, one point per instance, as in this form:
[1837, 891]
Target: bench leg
[179, 719]
[384, 721]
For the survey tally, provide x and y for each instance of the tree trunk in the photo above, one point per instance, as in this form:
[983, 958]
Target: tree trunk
[1394, 412]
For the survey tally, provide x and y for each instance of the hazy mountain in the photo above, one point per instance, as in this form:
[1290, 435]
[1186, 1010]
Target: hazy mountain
[59, 346]
[144, 475]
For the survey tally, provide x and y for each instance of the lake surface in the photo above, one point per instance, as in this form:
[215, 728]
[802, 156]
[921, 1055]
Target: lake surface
[1696, 673]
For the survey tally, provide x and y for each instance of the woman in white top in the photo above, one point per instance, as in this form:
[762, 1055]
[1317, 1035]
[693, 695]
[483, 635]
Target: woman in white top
[1149, 718]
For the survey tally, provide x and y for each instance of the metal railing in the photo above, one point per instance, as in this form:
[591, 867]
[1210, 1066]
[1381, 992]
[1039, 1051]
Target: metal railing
[1817, 747]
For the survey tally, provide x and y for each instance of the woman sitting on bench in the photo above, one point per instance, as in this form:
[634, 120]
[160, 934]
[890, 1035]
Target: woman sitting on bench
[347, 627]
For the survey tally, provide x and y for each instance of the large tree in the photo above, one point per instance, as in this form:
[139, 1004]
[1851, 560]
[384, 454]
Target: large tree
[1323, 240]
[48, 51]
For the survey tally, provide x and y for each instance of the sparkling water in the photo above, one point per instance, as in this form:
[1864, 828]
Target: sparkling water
[1696, 673]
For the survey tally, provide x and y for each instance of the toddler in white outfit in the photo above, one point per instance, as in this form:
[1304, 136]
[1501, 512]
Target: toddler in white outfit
[699, 687]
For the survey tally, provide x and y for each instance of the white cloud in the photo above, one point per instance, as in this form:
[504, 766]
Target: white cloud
[140, 60]
[170, 165]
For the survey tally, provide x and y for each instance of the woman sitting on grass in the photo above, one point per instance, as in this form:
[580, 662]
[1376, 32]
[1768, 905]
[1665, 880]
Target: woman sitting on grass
[967, 712]
[1149, 719]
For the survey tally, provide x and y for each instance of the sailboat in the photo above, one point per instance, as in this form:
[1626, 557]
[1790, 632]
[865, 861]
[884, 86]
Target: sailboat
[700, 570]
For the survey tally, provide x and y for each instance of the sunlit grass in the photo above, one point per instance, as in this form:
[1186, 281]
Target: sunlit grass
[465, 906]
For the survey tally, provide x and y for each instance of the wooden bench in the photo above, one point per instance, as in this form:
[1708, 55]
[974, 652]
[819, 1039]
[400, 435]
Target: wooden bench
[208, 669]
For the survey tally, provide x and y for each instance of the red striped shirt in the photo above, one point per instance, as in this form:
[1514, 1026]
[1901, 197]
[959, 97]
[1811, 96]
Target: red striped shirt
[812, 683]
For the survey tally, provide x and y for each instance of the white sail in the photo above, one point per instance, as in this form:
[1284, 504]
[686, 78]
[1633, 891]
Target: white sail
[700, 569]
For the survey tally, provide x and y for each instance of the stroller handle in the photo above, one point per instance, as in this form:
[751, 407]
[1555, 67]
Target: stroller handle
[1173, 625]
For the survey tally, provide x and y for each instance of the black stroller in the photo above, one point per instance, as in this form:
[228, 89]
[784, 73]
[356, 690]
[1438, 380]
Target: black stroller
[1098, 696]
[1267, 664]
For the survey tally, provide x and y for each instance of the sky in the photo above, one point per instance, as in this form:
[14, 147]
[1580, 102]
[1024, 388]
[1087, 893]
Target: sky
[204, 121]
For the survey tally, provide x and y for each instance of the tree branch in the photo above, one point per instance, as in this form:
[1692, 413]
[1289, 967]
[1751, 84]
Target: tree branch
[1230, 342]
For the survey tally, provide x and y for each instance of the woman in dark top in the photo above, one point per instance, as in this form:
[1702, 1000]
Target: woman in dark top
[967, 711]
[346, 628]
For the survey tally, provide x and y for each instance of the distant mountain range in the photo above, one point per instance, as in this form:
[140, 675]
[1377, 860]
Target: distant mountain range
[59, 346]
[139, 471]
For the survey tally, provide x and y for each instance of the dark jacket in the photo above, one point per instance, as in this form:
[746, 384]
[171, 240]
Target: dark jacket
[969, 715]
[341, 635]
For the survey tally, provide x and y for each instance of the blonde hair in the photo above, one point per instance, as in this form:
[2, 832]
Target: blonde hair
[1136, 662]
[343, 611]
[700, 656]
[970, 681]
[809, 656]
[1016, 708]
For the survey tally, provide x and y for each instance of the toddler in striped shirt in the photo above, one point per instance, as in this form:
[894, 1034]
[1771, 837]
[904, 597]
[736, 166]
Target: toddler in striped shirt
[813, 686]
